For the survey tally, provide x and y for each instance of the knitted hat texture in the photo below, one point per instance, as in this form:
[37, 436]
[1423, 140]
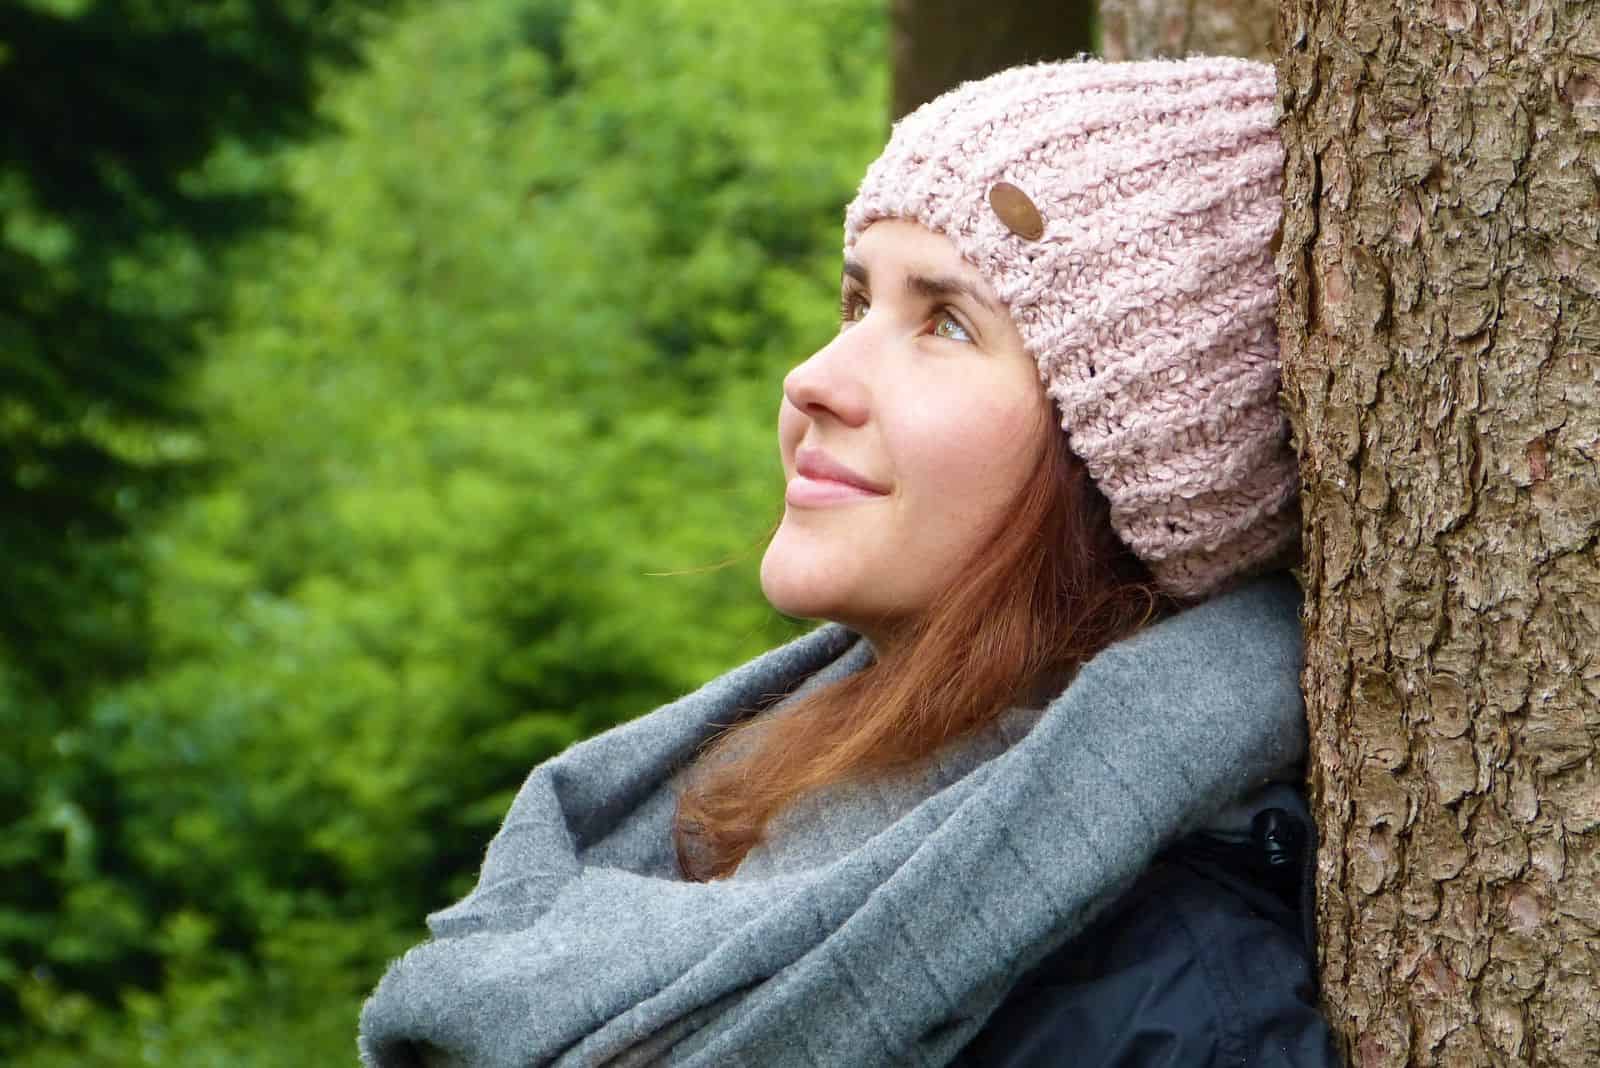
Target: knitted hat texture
[1135, 254]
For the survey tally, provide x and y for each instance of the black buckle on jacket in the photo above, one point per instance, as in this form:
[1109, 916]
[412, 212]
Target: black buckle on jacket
[1279, 837]
[1291, 857]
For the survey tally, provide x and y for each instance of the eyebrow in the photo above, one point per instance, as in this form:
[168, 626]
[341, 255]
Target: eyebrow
[932, 287]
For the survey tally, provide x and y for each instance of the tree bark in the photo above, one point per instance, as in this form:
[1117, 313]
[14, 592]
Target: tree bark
[1146, 29]
[1440, 328]
[936, 45]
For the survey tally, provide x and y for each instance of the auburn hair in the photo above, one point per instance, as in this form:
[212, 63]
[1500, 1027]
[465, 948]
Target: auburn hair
[1051, 588]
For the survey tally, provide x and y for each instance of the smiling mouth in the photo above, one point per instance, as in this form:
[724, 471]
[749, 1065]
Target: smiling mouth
[817, 465]
[806, 492]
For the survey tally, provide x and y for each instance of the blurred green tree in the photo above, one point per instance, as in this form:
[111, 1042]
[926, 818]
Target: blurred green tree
[127, 163]
[130, 157]
[516, 357]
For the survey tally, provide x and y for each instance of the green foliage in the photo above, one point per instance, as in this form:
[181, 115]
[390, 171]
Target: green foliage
[130, 159]
[510, 373]
[132, 155]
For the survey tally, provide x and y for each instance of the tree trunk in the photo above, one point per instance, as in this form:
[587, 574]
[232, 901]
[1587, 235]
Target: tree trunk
[1440, 324]
[1145, 29]
[938, 44]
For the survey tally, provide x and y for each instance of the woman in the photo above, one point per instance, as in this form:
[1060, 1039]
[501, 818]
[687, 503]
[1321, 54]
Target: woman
[1028, 796]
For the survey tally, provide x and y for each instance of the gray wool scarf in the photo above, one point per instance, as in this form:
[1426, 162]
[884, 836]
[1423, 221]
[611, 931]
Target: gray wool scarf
[885, 939]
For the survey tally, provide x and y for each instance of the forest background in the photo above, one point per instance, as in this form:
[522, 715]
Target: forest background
[376, 384]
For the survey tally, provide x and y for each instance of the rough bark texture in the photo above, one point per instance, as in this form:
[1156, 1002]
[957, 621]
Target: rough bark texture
[1146, 29]
[1441, 345]
[938, 44]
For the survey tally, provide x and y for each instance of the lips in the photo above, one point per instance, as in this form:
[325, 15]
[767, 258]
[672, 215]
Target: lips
[814, 464]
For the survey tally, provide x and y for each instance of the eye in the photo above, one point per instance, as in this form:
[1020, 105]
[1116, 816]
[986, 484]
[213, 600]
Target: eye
[852, 308]
[947, 326]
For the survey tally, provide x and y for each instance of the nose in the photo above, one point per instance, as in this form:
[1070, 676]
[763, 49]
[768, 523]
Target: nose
[830, 383]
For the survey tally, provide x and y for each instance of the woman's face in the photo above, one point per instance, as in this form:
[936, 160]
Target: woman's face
[904, 440]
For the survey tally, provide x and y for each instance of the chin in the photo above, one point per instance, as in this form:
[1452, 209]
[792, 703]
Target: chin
[793, 596]
[803, 584]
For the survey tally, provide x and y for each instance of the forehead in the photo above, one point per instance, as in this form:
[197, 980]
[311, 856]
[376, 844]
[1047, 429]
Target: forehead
[900, 244]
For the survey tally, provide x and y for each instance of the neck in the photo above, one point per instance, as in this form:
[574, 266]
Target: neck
[1047, 687]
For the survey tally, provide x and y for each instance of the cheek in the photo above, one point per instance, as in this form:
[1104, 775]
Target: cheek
[973, 460]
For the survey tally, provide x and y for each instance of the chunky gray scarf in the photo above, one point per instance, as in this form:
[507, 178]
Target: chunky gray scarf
[845, 940]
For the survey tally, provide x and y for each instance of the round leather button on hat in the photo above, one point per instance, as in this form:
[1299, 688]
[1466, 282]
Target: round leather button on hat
[1016, 211]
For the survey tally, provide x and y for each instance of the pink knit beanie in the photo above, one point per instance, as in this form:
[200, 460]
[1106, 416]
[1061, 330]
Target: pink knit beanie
[1125, 214]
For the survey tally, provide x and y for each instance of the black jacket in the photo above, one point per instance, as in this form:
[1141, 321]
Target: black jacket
[1206, 962]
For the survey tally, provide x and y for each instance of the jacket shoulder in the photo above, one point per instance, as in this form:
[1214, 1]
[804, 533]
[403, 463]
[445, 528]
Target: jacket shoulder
[1202, 962]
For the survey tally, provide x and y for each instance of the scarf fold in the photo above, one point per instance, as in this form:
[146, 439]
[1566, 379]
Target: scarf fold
[581, 946]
